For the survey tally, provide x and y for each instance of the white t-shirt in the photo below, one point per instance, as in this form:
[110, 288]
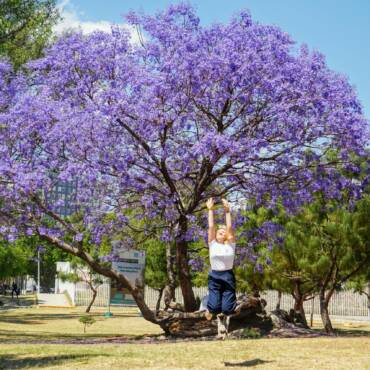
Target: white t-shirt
[221, 255]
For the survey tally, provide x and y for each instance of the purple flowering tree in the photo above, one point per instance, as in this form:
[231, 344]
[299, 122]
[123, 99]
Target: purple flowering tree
[158, 127]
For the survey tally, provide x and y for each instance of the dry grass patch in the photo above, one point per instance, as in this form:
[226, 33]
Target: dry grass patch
[317, 353]
[20, 327]
[56, 323]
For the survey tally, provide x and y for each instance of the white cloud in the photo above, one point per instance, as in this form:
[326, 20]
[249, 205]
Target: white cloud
[71, 20]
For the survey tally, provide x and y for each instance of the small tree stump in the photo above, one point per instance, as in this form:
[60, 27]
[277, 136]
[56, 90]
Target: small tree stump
[249, 313]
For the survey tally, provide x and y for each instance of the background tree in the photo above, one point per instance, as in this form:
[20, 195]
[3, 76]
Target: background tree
[339, 240]
[82, 273]
[14, 260]
[361, 284]
[19, 258]
[324, 246]
[155, 267]
[26, 28]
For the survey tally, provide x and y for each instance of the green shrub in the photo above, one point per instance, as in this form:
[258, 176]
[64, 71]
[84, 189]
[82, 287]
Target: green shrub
[87, 320]
[251, 333]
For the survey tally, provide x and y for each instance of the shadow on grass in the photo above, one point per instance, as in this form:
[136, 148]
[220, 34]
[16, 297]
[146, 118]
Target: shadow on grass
[248, 363]
[16, 362]
[352, 333]
[43, 318]
[9, 336]
[344, 332]
[10, 303]
[29, 318]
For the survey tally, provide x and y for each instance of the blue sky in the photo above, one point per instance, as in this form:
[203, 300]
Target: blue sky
[340, 29]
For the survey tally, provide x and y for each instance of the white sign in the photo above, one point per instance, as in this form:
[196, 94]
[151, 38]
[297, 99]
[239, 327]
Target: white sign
[130, 263]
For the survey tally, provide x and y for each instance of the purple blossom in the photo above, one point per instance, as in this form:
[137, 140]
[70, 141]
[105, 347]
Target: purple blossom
[11, 238]
[259, 268]
[78, 237]
[197, 264]
[113, 257]
[40, 249]
[166, 236]
[42, 230]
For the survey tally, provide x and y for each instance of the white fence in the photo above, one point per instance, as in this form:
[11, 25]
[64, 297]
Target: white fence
[344, 303]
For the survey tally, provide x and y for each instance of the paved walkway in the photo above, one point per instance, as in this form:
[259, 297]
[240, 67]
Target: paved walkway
[52, 300]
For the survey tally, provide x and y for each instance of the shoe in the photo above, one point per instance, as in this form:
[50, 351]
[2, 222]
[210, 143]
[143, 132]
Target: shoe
[221, 329]
[209, 315]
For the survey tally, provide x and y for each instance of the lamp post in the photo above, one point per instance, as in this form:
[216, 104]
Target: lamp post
[40, 250]
[38, 270]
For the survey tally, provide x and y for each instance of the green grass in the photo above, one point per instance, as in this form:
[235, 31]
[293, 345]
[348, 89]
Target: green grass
[26, 334]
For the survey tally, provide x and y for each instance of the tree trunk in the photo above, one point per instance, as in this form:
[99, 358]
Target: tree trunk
[299, 311]
[312, 310]
[169, 289]
[95, 292]
[183, 266]
[278, 300]
[298, 303]
[324, 312]
[158, 305]
[255, 290]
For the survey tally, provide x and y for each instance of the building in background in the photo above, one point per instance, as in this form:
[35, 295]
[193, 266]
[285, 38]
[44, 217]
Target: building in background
[66, 191]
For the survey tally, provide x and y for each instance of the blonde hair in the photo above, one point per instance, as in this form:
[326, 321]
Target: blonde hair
[222, 226]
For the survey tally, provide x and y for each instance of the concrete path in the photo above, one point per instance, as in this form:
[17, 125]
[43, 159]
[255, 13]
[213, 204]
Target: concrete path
[52, 300]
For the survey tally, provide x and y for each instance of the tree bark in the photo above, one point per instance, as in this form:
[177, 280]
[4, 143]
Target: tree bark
[278, 300]
[256, 291]
[95, 292]
[158, 305]
[299, 310]
[169, 289]
[298, 303]
[183, 265]
[324, 312]
[312, 310]
[250, 313]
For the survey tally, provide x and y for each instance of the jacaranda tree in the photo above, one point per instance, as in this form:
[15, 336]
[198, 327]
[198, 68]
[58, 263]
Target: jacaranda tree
[188, 113]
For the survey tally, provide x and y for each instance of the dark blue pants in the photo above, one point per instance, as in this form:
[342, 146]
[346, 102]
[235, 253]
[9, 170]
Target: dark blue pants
[221, 289]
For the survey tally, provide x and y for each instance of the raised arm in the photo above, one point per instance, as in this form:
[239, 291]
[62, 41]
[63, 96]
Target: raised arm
[230, 235]
[211, 223]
